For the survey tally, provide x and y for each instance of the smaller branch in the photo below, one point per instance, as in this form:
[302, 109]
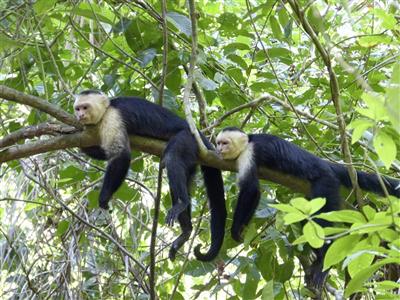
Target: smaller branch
[35, 131]
[40, 104]
[251, 104]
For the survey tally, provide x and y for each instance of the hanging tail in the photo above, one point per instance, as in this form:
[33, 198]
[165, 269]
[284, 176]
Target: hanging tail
[368, 181]
[215, 191]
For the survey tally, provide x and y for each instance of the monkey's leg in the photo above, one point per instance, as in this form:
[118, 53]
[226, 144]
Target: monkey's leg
[117, 169]
[180, 161]
[327, 187]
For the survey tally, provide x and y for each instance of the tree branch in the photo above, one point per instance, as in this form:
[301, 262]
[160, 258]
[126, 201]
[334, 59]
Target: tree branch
[148, 145]
[40, 104]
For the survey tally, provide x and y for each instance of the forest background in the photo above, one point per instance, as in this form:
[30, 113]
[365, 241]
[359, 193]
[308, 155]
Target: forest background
[324, 75]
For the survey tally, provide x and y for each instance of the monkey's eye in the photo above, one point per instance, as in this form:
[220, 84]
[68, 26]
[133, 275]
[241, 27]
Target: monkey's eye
[84, 108]
[77, 108]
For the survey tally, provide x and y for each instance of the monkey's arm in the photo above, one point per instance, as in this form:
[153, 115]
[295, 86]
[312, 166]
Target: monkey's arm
[249, 197]
[117, 169]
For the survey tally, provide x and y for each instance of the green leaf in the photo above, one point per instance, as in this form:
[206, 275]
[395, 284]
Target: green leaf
[276, 28]
[42, 6]
[301, 204]
[314, 234]
[94, 12]
[316, 204]
[181, 22]
[268, 291]
[62, 227]
[388, 20]
[376, 107]
[385, 148]
[300, 240]
[340, 249]
[392, 103]
[346, 216]
[359, 126]
[363, 275]
[371, 41]
[204, 82]
[294, 217]
[285, 207]
[251, 283]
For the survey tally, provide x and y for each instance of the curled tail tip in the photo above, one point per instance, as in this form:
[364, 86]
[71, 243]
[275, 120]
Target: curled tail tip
[209, 256]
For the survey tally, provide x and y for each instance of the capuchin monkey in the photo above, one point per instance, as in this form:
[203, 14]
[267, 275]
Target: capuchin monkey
[264, 150]
[120, 117]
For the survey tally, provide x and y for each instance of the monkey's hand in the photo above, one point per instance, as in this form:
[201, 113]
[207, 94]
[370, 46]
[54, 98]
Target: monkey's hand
[174, 213]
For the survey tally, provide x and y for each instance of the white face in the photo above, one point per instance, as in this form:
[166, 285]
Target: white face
[231, 143]
[89, 109]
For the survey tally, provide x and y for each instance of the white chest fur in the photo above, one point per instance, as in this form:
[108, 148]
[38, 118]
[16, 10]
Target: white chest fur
[245, 161]
[112, 132]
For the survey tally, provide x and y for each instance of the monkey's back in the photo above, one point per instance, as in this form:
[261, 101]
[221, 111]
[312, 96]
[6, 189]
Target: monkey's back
[142, 117]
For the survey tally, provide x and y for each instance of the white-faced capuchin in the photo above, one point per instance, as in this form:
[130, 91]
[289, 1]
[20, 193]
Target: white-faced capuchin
[264, 150]
[120, 117]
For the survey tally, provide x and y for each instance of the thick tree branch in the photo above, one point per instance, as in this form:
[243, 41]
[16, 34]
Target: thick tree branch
[40, 104]
[148, 145]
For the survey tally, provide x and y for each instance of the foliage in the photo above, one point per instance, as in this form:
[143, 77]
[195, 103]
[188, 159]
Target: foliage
[53, 49]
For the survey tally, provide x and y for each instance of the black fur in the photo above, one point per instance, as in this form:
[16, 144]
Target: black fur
[325, 178]
[141, 117]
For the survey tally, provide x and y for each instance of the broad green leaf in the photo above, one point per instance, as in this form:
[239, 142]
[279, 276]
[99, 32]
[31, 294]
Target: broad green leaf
[392, 98]
[371, 41]
[181, 22]
[316, 204]
[301, 204]
[385, 147]
[251, 283]
[205, 83]
[42, 6]
[359, 127]
[276, 28]
[346, 216]
[300, 240]
[232, 47]
[369, 212]
[294, 217]
[388, 20]
[268, 291]
[94, 12]
[62, 227]
[340, 249]
[356, 284]
[285, 207]
[314, 234]
[376, 109]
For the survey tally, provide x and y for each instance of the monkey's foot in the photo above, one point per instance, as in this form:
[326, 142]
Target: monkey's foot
[100, 217]
[178, 243]
[236, 233]
[174, 212]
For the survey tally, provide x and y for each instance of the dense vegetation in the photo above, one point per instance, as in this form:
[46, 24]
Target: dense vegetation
[321, 74]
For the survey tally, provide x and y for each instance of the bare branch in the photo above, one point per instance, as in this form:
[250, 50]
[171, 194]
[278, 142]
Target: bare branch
[35, 131]
[40, 104]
